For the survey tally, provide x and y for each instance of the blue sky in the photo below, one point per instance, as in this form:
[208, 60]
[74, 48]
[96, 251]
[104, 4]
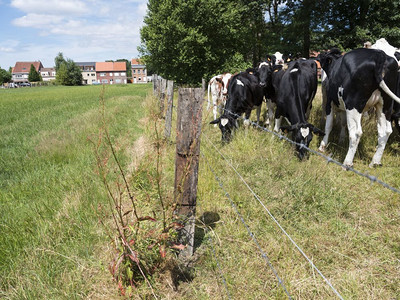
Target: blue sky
[83, 30]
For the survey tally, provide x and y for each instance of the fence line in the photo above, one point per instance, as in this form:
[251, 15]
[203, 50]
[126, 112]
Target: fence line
[327, 158]
[276, 221]
[280, 281]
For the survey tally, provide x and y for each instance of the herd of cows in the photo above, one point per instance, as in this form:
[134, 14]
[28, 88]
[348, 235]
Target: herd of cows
[352, 84]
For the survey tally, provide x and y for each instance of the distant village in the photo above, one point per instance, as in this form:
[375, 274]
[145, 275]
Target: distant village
[92, 72]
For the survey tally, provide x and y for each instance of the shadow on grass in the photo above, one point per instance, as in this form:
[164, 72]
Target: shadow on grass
[207, 220]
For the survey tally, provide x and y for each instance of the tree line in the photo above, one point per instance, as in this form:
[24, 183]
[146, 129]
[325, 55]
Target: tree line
[186, 40]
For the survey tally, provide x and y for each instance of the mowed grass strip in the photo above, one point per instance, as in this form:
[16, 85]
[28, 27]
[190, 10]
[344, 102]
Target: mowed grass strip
[50, 237]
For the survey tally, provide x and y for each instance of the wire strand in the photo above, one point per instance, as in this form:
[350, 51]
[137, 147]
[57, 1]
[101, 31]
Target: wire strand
[276, 221]
[263, 254]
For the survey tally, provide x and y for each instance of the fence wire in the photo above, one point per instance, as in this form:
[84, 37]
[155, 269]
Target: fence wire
[276, 221]
[327, 158]
[263, 254]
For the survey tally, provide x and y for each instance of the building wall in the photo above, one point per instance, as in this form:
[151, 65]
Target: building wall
[89, 77]
[111, 77]
[139, 74]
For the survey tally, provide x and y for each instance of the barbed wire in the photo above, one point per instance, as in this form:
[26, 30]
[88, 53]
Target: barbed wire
[276, 221]
[327, 158]
[263, 254]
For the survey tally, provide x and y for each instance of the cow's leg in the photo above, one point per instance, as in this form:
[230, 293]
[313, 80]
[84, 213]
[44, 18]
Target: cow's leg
[215, 106]
[258, 113]
[342, 119]
[246, 121]
[328, 129]
[278, 122]
[271, 113]
[384, 131]
[355, 132]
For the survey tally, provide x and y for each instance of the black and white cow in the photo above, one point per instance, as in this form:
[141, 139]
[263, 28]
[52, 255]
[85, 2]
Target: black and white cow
[297, 88]
[218, 89]
[245, 92]
[357, 81]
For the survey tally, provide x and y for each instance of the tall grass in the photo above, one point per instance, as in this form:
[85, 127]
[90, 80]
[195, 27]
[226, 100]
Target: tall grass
[51, 246]
[344, 223]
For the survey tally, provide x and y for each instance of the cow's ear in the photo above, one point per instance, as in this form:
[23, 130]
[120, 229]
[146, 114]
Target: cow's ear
[277, 68]
[218, 79]
[216, 121]
[316, 130]
[287, 128]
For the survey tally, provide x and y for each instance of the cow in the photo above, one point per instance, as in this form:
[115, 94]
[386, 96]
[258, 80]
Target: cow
[246, 91]
[357, 81]
[218, 88]
[297, 88]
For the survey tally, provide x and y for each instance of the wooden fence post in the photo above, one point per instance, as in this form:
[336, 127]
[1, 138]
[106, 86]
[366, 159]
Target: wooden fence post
[168, 114]
[154, 79]
[163, 90]
[189, 116]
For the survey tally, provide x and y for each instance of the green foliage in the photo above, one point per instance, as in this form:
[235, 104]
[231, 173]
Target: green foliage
[68, 73]
[187, 40]
[34, 75]
[4, 76]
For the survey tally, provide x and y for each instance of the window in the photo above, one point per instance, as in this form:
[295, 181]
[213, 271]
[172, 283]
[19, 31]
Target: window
[116, 74]
[123, 74]
[111, 74]
[102, 74]
[93, 74]
[104, 81]
[118, 80]
[134, 71]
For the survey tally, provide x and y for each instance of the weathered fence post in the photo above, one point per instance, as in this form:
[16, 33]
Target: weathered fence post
[168, 114]
[189, 116]
[155, 82]
[163, 90]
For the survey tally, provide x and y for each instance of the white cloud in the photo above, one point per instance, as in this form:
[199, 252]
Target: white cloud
[37, 20]
[108, 30]
[58, 7]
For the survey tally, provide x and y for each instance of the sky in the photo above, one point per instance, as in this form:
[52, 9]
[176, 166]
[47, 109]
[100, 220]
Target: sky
[83, 30]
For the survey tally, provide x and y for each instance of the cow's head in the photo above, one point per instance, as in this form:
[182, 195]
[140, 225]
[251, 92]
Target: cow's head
[326, 59]
[226, 124]
[263, 72]
[302, 134]
[279, 58]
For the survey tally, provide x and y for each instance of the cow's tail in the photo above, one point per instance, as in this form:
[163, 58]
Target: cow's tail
[208, 95]
[386, 89]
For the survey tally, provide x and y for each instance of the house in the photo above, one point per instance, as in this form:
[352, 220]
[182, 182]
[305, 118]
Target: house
[21, 70]
[88, 70]
[111, 72]
[48, 74]
[139, 72]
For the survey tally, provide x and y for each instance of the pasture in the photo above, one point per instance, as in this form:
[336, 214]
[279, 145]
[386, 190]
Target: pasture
[51, 244]
[52, 247]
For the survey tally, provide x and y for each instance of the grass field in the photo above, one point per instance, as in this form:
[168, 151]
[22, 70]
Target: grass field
[52, 247]
[345, 224]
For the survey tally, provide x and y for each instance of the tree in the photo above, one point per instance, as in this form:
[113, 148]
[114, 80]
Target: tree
[4, 76]
[34, 75]
[68, 73]
[186, 40]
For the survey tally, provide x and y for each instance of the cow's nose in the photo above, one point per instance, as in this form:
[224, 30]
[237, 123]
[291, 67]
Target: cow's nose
[262, 84]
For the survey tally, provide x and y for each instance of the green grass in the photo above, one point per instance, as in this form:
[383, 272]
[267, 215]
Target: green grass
[52, 247]
[51, 244]
[345, 224]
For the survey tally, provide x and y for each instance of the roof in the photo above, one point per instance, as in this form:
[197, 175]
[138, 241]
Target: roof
[110, 66]
[47, 69]
[25, 66]
[138, 66]
[91, 63]
[136, 61]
